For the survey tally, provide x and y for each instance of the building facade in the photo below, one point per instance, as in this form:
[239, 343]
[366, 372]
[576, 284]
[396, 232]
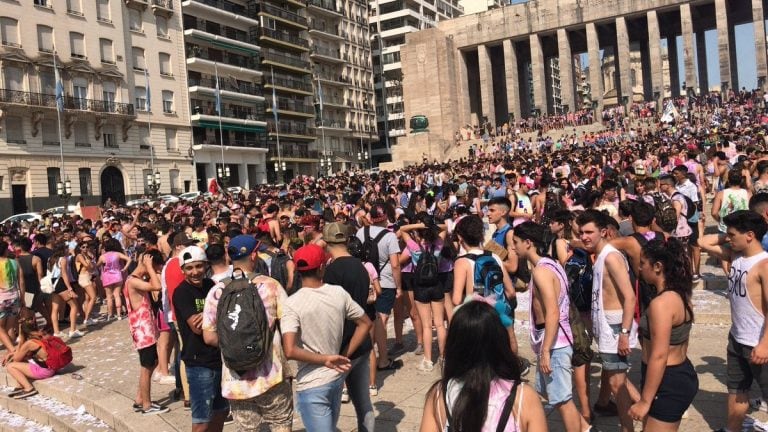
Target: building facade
[343, 82]
[390, 21]
[114, 58]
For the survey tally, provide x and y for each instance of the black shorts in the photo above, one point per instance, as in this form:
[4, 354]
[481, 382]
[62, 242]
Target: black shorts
[693, 239]
[148, 356]
[407, 280]
[427, 294]
[741, 372]
[446, 281]
[678, 387]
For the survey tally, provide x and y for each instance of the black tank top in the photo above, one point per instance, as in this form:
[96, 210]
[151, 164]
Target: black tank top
[31, 282]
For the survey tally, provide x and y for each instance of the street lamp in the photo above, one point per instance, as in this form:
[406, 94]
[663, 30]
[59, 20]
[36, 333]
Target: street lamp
[64, 190]
[153, 183]
[223, 175]
[280, 166]
[363, 156]
[326, 164]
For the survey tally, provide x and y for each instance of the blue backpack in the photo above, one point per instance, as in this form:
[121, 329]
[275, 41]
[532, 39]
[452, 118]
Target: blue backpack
[489, 276]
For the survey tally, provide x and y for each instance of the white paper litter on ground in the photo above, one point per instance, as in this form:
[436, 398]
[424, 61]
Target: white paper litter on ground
[73, 415]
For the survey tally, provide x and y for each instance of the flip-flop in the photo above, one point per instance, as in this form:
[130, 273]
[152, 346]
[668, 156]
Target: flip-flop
[392, 365]
[16, 391]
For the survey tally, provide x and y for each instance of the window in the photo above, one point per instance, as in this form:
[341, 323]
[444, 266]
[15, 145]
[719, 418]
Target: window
[9, 31]
[80, 93]
[85, 181]
[102, 11]
[170, 140]
[108, 136]
[47, 82]
[168, 102]
[77, 44]
[144, 141]
[14, 78]
[14, 130]
[105, 48]
[175, 185]
[81, 134]
[134, 20]
[50, 132]
[139, 63]
[108, 95]
[162, 26]
[44, 39]
[141, 98]
[165, 64]
[43, 3]
[54, 177]
[74, 7]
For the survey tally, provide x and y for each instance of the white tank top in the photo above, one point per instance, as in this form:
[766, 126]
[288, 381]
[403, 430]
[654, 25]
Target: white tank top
[607, 339]
[747, 322]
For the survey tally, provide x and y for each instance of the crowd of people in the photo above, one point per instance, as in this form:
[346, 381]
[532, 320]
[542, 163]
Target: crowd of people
[603, 231]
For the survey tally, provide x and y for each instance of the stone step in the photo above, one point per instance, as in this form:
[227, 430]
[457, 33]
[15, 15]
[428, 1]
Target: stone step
[11, 422]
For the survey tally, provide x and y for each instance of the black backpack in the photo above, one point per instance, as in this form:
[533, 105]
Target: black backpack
[578, 269]
[690, 210]
[371, 249]
[242, 324]
[426, 268]
[278, 269]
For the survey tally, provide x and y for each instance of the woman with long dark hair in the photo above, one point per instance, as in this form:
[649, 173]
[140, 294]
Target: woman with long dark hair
[668, 379]
[481, 379]
[63, 291]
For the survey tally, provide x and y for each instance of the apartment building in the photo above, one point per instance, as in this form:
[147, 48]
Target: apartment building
[343, 83]
[103, 140]
[390, 21]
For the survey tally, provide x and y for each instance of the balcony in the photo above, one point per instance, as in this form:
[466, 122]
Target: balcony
[283, 15]
[331, 124]
[137, 4]
[69, 102]
[298, 130]
[327, 54]
[320, 29]
[335, 102]
[226, 62]
[291, 152]
[216, 6]
[227, 86]
[294, 107]
[335, 80]
[285, 38]
[162, 7]
[292, 85]
[259, 143]
[327, 7]
[285, 61]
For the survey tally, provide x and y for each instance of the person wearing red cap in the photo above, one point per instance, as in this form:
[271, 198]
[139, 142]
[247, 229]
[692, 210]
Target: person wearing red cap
[312, 325]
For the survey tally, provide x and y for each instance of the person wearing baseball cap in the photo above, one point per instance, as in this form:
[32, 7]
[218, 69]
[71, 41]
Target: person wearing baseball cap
[312, 325]
[202, 361]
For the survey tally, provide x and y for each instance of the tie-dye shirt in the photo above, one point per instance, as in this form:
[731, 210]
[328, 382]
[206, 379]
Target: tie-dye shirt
[9, 278]
[254, 382]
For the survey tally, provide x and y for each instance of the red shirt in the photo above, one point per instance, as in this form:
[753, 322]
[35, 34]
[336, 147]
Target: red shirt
[172, 277]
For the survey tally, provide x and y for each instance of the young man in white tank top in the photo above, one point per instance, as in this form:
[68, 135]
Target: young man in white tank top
[613, 308]
[747, 352]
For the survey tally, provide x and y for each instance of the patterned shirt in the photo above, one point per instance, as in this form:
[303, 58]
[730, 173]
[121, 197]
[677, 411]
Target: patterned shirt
[258, 381]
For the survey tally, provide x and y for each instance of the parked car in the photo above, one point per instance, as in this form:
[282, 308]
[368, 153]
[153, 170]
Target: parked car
[137, 202]
[59, 211]
[234, 189]
[189, 195]
[21, 217]
[170, 199]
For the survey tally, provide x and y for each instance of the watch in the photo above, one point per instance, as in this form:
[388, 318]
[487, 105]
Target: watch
[624, 331]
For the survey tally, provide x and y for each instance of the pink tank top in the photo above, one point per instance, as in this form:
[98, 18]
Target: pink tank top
[141, 321]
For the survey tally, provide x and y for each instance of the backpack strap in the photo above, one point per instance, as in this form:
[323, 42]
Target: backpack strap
[506, 411]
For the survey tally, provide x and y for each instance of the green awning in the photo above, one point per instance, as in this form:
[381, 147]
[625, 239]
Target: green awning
[231, 127]
[226, 45]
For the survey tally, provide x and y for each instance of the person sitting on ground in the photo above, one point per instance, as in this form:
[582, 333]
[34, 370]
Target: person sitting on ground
[28, 361]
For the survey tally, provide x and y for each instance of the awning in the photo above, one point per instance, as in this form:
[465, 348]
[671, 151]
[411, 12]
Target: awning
[230, 127]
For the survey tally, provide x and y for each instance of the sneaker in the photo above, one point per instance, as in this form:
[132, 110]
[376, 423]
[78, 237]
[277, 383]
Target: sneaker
[26, 393]
[76, 334]
[397, 348]
[419, 350]
[155, 409]
[229, 420]
[61, 335]
[373, 390]
[119, 317]
[187, 406]
[696, 278]
[758, 404]
[525, 367]
[16, 391]
[166, 380]
[608, 410]
[426, 366]
[344, 396]
[138, 407]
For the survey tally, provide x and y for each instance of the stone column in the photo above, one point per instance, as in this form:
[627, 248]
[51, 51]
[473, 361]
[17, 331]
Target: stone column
[463, 90]
[539, 76]
[486, 84]
[689, 61]
[245, 180]
[761, 62]
[624, 89]
[674, 66]
[701, 55]
[654, 53]
[567, 91]
[511, 77]
[724, 44]
[595, 72]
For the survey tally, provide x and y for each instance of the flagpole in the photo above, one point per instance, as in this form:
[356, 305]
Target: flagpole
[59, 107]
[149, 125]
[322, 125]
[218, 109]
[277, 124]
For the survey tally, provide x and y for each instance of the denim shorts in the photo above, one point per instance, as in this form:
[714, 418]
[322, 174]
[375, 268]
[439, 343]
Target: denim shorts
[558, 385]
[385, 301]
[205, 393]
[320, 406]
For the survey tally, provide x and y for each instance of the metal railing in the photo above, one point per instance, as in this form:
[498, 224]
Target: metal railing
[224, 84]
[284, 59]
[286, 151]
[285, 37]
[165, 4]
[289, 83]
[230, 7]
[313, 25]
[338, 79]
[69, 102]
[330, 124]
[226, 58]
[295, 106]
[219, 29]
[282, 13]
[293, 128]
[327, 52]
[233, 111]
[324, 4]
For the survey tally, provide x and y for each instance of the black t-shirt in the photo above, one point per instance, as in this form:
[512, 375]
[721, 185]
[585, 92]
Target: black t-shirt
[189, 300]
[349, 273]
[43, 253]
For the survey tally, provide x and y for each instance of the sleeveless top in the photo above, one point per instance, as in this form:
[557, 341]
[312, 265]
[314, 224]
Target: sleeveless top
[678, 336]
[564, 334]
[141, 321]
[31, 282]
[522, 203]
[498, 394]
[607, 339]
[112, 263]
[747, 321]
[9, 282]
[733, 200]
